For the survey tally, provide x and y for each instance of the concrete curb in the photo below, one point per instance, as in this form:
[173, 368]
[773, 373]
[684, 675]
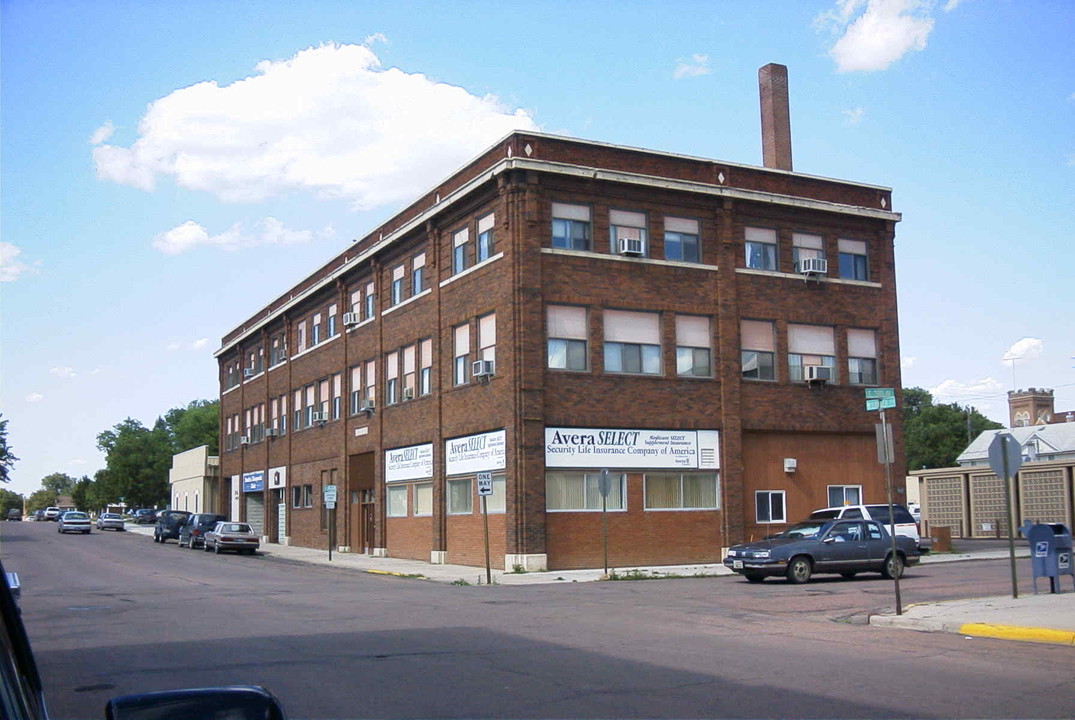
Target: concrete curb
[1015, 632]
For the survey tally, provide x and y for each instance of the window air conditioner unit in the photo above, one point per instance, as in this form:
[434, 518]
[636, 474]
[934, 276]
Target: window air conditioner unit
[790, 464]
[318, 417]
[481, 368]
[814, 266]
[630, 246]
[408, 393]
[818, 373]
[272, 432]
[248, 372]
[244, 439]
[350, 319]
[367, 407]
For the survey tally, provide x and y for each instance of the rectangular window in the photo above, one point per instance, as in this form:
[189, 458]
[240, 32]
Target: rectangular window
[397, 284]
[460, 497]
[277, 350]
[853, 260]
[356, 301]
[315, 330]
[296, 422]
[570, 226]
[805, 246]
[681, 240]
[397, 501]
[581, 491]
[681, 491]
[418, 269]
[371, 381]
[337, 395]
[296, 496]
[310, 404]
[308, 496]
[370, 302]
[497, 503]
[425, 372]
[423, 499]
[459, 250]
[323, 399]
[840, 495]
[810, 345]
[693, 344]
[758, 349]
[567, 337]
[356, 389]
[761, 248]
[632, 342]
[627, 232]
[862, 357]
[769, 506]
[487, 337]
[485, 237]
[391, 377]
[461, 354]
[300, 339]
[282, 427]
[330, 322]
[409, 370]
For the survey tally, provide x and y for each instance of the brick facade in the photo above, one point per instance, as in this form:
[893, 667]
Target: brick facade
[760, 422]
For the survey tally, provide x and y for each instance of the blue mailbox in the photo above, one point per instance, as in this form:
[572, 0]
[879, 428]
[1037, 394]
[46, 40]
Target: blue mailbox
[1050, 553]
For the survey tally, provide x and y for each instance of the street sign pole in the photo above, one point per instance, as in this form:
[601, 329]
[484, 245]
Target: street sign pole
[484, 483]
[603, 486]
[891, 511]
[1011, 526]
[1005, 459]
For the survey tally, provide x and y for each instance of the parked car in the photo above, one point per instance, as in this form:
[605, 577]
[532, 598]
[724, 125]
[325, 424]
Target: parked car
[52, 513]
[39, 515]
[236, 536]
[168, 524]
[916, 511]
[110, 521]
[905, 522]
[844, 547]
[74, 521]
[144, 516]
[192, 533]
[14, 514]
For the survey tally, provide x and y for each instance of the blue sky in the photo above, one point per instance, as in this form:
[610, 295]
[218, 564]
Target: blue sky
[168, 168]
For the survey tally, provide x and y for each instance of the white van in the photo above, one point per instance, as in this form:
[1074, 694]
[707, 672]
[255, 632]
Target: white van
[905, 522]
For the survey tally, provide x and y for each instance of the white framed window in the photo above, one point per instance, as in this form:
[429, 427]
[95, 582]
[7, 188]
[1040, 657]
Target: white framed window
[391, 378]
[804, 247]
[496, 503]
[370, 302]
[854, 263]
[282, 427]
[840, 495]
[297, 408]
[861, 357]
[632, 342]
[418, 269]
[398, 273]
[810, 345]
[300, 337]
[323, 398]
[337, 395]
[308, 496]
[296, 496]
[575, 491]
[627, 232]
[330, 322]
[681, 491]
[423, 499]
[567, 337]
[758, 349]
[309, 405]
[425, 369]
[485, 237]
[459, 250]
[681, 240]
[570, 226]
[769, 506]
[315, 330]
[371, 380]
[693, 346]
[460, 497]
[760, 248]
[396, 501]
[409, 375]
[461, 354]
[487, 337]
[356, 389]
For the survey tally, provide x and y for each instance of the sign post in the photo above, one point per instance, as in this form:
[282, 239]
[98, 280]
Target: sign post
[881, 399]
[330, 507]
[604, 485]
[1005, 459]
[485, 489]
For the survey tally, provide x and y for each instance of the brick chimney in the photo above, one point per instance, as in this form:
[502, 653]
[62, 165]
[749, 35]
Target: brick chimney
[775, 117]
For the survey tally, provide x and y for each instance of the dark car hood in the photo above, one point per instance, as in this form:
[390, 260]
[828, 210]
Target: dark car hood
[769, 544]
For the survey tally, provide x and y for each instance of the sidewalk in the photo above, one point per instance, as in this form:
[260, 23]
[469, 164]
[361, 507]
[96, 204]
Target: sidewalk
[1043, 618]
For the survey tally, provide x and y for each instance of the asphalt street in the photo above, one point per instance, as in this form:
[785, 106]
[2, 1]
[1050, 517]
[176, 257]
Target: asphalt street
[112, 613]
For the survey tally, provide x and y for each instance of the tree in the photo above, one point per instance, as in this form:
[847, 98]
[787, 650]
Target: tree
[39, 500]
[9, 500]
[138, 460]
[935, 435]
[58, 483]
[80, 493]
[194, 425]
[7, 458]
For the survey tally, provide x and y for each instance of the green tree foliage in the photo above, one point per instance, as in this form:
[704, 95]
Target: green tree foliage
[7, 458]
[195, 425]
[9, 500]
[935, 435]
[58, 483]
[40, 499]
[138, 460]
[80, 493]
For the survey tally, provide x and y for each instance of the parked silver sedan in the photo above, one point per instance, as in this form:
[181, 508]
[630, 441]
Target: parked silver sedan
[74, 521]
[234, 536]
[110, 521]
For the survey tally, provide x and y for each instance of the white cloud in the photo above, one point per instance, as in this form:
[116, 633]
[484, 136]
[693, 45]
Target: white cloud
[951, 5]
[328, 121]
[873, 34]
[908, 362]
[10, 265]
[102, 133]
[34, 397]
[200, 343]
[269, 231]
[1025, 349]
[854, 116]
[63, 372]
[954, 390]
[695, 66]
[184, 345]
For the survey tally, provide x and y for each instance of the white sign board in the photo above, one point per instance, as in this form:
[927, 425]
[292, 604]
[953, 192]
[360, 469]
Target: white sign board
[485, 483]
[330, 494]
[619, 448]
[408, 463]
[278, 477]
[475, 453]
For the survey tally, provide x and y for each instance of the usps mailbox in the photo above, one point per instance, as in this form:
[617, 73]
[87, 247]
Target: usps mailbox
[1050, 553]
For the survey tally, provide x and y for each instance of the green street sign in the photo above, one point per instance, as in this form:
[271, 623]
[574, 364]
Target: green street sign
[883, 403]
[872, 393]
[872, 405]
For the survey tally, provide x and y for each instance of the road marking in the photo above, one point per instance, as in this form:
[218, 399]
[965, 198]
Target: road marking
[1015, 632]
